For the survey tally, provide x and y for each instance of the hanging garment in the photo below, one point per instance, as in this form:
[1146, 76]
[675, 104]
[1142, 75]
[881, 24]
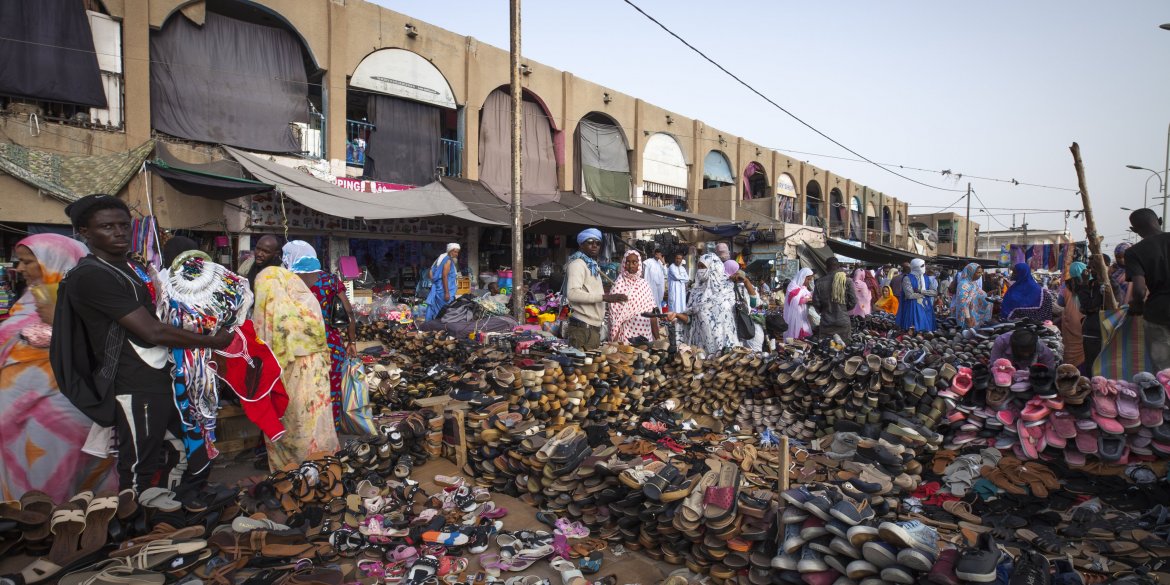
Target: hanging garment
[252, 372]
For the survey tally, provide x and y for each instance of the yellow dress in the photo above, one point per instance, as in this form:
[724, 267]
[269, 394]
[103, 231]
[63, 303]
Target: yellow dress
[288, 318]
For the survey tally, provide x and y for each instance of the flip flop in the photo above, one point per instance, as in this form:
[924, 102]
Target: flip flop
[159, 499]
[37, 502]
[113, 572]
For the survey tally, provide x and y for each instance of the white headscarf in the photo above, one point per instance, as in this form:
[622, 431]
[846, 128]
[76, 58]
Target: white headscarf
[918, 267]
[799, 279]
[300, 257]
[445, 255]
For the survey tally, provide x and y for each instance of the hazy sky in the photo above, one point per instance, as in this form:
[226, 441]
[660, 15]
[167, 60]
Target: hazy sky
[996, 89]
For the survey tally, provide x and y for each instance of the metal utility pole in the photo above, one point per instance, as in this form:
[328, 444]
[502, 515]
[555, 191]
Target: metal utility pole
[967, 232]
[517, 130]
[1166, 179]
[1099, 266]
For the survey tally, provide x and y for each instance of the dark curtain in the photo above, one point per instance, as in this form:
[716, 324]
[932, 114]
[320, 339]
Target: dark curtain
[404, 145]
[228, 82]
[537, 151]
[855, 224]
[46, 52]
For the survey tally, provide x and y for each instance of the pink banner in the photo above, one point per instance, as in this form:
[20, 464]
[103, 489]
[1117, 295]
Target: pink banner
[368, 186]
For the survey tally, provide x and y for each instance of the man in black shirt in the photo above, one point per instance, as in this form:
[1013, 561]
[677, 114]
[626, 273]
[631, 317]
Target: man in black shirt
[1147, 266]
[111, 300]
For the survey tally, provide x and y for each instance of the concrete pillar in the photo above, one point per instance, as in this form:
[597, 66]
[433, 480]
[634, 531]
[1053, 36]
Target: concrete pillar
[472, 254]
[471, 114]
[136, 71]
[567, 173]
[335, 89]
[697, 154]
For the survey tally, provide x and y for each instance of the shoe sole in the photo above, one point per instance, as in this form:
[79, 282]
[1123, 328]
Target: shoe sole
[784, 562]
[898, 575]
[793, 544]
[840, 546]
[859, 569]
[878, 555]
[915, 559]
[976, 577]
[811, 566]
[835, 563]
[895, 535]
[859, 535]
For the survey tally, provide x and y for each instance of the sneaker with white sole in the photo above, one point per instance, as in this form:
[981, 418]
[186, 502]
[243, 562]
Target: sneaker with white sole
[843, 547]
[898, 574]
[880, 553]
[910, 534]
[861, 534]
[811, 561]
[861, 569]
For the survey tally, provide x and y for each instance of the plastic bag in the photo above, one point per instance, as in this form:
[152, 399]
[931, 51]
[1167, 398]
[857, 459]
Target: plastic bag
[356, 415]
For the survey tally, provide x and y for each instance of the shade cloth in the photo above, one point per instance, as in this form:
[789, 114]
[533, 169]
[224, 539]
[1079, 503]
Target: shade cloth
[403, 148]
[605, 163]
[228, 82]
[567, 214]
[221, 179]
[48, 53]
[68, 178]
[336, 201]
[537, 153]
[716, 168]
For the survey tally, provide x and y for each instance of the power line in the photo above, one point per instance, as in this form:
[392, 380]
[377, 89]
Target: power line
[778, 106]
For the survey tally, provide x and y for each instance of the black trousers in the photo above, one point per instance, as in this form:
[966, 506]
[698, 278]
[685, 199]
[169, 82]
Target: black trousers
[148, 429]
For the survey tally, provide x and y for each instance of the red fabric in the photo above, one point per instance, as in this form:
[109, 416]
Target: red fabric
[251, 370]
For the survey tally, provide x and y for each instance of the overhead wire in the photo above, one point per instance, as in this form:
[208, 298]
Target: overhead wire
[777, 105]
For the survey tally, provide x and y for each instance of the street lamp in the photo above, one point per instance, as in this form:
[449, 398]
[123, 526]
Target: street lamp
[1146, 195]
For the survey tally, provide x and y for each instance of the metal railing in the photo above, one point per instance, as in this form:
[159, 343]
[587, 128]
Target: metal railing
[451, 157]
[357, 136]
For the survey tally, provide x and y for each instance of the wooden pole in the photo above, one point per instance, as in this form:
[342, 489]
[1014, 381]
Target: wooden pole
[517, 182]
[1097, 259]
[785, 461]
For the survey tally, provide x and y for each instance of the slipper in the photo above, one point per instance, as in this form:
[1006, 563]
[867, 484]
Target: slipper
[422, 570]
[97, 520]
[113, 572]
[67, 525]
[245, 524]
[37, 502]
[1047, 542]
[14, 510]
[570, 575]
[160, 499]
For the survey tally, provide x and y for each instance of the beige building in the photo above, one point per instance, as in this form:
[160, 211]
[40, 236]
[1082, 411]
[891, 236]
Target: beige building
[362, 61]
[946, 233]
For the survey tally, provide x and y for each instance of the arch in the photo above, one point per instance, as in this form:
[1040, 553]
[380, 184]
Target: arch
[603, 158]
[267, 95]
[785, 189]
[540, 156]
[755, 181]
[855, 219]
[664, 172]
[813, 199]
[717, 170]
[405, 74]
[871, 220]
[252, 5]
[837, 211]
[886, 224]
[900, 223]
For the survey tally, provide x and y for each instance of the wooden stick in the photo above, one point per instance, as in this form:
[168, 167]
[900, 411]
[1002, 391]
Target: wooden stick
[1098, 261]
[784, 461]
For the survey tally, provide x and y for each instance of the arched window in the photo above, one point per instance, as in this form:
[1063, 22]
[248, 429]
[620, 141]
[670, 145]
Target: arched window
[813, 200]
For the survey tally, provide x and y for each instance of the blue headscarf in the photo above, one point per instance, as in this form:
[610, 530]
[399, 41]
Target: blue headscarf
[587, 234]
[590, 263]
[1025, 292]
[1076, 269]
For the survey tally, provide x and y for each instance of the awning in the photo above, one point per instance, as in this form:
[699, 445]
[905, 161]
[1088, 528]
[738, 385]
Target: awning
[961, 261]
[814, 258]
[220, 180]
[336, 201]
[862, 254]
[68, 178]
[693, 218]
[570, 211]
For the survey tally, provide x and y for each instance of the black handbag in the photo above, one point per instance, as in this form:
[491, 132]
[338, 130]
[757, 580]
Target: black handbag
[745, 328]
[338, 316]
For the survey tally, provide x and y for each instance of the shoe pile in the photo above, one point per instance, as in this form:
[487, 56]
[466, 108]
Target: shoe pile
[1039, 413]
[829, 532]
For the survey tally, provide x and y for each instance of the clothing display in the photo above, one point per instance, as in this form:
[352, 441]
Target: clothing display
[252, 372]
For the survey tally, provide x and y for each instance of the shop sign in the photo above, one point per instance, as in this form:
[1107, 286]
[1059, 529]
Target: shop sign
[368, 186]
[785, 186]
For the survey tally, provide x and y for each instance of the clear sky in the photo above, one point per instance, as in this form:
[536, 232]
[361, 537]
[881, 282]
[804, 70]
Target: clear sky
[995, 89]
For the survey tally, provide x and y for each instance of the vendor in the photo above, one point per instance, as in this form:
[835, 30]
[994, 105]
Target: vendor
[1022, 348]
[444, 273]
[114, 298]
[625, 319]
[587, 297]
[495, 295]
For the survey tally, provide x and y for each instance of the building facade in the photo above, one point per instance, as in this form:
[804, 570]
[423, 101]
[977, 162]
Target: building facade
[949, 233]
[381, 87]
[991, 243]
